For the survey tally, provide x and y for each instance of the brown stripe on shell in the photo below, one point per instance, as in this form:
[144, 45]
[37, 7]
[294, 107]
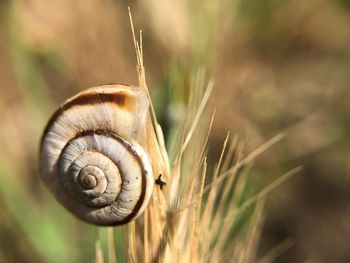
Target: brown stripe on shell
[130, 149]
[119, 98]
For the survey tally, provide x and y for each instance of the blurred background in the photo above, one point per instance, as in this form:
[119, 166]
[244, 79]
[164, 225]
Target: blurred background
[278, 66]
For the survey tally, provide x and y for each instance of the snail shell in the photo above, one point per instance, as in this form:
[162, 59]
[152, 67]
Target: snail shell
[91, 155]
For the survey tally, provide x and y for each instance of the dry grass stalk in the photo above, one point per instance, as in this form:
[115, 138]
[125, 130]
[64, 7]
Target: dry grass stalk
[196, 218]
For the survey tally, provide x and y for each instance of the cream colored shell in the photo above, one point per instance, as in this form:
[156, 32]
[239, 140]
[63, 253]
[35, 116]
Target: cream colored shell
[91, 158]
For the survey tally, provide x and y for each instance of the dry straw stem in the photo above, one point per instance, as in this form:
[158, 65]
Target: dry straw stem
[197, 217]
[111, 246]
[99, 252]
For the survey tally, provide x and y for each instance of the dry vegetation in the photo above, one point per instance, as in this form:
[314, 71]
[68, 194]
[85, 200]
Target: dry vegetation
[280, 72]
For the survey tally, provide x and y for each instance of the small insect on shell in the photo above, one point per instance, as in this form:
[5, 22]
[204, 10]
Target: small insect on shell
[93, 158]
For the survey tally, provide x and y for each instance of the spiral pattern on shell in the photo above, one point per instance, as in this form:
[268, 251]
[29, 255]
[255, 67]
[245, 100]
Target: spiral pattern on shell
[91, 158]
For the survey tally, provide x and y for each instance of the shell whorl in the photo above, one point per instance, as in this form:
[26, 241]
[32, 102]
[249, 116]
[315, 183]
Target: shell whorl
[92, 157]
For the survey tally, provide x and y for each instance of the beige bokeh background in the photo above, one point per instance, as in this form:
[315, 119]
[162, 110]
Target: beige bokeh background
[278, 67]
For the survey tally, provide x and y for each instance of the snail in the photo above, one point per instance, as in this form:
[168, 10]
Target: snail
[93, 155]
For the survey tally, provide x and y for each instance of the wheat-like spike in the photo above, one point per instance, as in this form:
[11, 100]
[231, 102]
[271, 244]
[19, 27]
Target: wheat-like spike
[179, 223]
